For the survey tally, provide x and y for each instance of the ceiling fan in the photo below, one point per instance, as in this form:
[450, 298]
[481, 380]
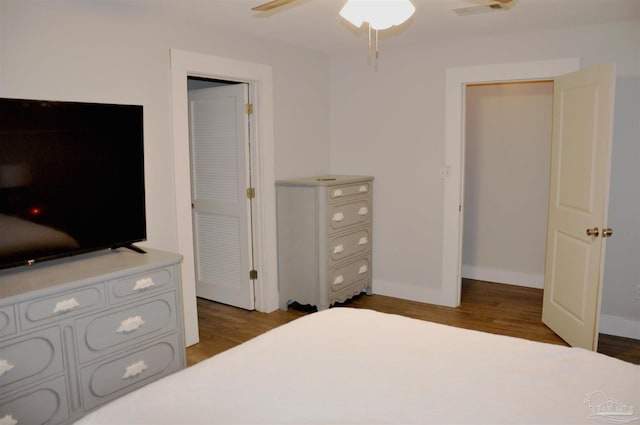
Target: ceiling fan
[493, 4]
[381, 18]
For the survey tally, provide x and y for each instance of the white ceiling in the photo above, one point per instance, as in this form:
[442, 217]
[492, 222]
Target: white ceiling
[316, 24]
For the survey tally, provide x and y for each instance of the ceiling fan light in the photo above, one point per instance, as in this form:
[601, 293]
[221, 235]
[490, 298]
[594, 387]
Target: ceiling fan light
[380, 14]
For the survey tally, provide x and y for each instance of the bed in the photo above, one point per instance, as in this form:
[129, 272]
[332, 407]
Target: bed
[356, 366]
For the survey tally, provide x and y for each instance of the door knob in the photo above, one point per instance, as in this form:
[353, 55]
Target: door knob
[607, 232]
[593, 232]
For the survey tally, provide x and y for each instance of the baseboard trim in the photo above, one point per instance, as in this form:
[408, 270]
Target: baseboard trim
[619, 326]
[503, 276]
[408, 291]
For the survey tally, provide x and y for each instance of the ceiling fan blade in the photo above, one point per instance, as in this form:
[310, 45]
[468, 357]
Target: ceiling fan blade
[270, 5]
[485, 2]
[483, 6]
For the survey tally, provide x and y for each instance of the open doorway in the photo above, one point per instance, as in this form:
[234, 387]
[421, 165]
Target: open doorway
[507, 158]
[456, 81]
[258, 76]
[580, 193]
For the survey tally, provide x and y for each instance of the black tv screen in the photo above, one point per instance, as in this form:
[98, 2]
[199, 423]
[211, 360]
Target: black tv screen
[71, 179]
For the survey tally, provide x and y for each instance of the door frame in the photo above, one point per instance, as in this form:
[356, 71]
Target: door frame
[456, 81]
[259, 77]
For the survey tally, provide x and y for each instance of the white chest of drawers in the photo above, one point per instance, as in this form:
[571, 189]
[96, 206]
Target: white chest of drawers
[324, 239]
[76, 333]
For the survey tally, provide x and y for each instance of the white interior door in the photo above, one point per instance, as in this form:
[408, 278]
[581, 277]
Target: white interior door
[219, 140]
[578, 203]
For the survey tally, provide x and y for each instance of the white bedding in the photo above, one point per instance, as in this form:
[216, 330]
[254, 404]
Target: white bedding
[355, 366]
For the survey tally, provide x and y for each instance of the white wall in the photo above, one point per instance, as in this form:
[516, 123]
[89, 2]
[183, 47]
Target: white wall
[389, 122]
[506, 189]
[119, 52]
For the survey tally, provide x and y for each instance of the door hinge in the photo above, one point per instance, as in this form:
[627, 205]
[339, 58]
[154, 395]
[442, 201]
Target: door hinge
[253, 274]
[248, 108]
[251, 193]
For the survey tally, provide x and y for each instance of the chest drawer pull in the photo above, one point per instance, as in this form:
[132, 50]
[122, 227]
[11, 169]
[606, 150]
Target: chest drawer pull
[143, 283]
[363, 189]
[5, 367]
[337, 193]
[8, 420]
[134, 369]
[338, 216]
[130, 324]
[363, 241]
[338, 249]
[363, 211]
[65, 305]
[338, 280]
[363, 269]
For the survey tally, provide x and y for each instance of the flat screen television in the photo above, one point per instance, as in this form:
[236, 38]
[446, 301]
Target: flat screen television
[71, 179]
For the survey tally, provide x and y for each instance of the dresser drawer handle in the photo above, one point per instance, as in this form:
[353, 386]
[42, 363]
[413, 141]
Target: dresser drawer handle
[363, 211]
[134, 369]
[363, 241]
[65, 305]
[363, 269]
[338, 216]
[363, 189]
[8, 420]
[337, 193]
[143, 283]
[5, 367]
[338, 249]
[130, 324]
[338, 280]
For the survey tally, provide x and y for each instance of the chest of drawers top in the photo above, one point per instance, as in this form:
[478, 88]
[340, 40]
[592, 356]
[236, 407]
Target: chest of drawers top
[72, 272]
[326, 181]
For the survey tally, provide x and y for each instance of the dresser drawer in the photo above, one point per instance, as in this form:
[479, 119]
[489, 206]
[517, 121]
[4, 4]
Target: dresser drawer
[132, 286]
[350, 274]
[114, 377]
[43, 404]
[30, 358]
[116, 329]
[342, 216]
[350, 244]
[42, 310]
[349, 190]
[7, 321]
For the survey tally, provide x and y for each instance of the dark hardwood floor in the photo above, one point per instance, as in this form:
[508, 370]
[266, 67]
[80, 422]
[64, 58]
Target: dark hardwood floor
[489, 307]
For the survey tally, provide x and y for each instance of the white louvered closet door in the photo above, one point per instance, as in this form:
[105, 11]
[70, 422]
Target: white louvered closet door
[219, 137]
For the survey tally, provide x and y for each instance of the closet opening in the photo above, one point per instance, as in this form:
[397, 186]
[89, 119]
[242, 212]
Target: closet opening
[506, 163]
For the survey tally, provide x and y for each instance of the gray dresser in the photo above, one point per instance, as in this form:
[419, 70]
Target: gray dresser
[324, 239]
[78, 332]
